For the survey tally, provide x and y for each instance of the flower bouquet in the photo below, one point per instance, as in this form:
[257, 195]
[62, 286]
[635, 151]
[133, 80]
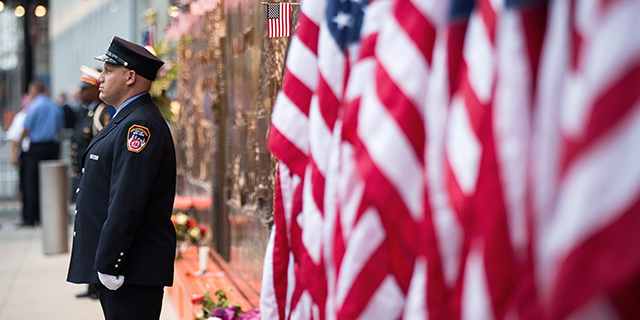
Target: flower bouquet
[188, 232]
[222, 309]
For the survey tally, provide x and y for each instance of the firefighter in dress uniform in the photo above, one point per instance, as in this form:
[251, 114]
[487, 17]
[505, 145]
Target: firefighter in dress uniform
[123, 240]
[92, 116]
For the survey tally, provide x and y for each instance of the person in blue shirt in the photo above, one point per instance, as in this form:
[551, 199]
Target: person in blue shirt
[42, 125]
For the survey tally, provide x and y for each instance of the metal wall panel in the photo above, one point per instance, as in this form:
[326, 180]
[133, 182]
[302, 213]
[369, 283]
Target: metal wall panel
[254, 71]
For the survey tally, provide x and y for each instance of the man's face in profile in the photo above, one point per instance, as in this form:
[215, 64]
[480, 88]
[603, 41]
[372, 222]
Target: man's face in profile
[113, 83]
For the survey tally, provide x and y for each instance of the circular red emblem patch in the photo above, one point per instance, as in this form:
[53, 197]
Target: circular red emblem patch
[135, 143]
[137, 138]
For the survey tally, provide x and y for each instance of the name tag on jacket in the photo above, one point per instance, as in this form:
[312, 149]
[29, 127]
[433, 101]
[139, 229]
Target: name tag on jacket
[93, 156]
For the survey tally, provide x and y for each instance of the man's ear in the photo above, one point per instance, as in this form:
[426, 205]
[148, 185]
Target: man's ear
[131, 77]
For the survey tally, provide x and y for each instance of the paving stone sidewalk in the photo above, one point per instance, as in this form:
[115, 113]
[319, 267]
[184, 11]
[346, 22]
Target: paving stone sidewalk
[32, 284]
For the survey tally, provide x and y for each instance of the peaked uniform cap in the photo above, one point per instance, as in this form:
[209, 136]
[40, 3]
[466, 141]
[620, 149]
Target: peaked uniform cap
[132, 56]
[89, 77]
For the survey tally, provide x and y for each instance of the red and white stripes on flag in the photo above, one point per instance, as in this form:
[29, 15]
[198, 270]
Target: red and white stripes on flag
[586, 180]
[389, 151]
[278, 19]
[287, 295]
[486, 148]
[355, 237]
[478, 165]
[277, 277]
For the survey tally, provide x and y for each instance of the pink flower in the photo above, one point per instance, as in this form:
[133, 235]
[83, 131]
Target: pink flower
[230, 312]
[253, 314]
[165, 69]
[219, 313]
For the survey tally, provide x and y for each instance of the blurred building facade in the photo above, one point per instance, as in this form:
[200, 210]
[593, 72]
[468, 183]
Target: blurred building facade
[81, 30]
[10, 63]
[24, 51]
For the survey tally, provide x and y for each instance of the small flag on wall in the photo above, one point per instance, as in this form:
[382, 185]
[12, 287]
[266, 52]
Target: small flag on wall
[278, 15]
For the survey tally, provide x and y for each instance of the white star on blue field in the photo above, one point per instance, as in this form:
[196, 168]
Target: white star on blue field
[344, 18]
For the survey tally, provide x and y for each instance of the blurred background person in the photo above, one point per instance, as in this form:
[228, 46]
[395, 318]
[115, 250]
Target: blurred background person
[42, 125]
[69, 114]
[19, 148]
[92, 116]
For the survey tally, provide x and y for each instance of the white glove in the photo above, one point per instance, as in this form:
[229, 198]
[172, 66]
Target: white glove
[111, 282]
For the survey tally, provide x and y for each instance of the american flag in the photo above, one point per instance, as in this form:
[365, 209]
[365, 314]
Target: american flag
[278, 20]
[458, 159]
[353, 233]
[486, 148]
[445, 248]
[585, 180]
[389, 150]
[149, 36]
[287, 295]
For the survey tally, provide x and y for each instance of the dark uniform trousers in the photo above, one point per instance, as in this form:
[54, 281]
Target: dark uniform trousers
[131, 302]
[37, 152]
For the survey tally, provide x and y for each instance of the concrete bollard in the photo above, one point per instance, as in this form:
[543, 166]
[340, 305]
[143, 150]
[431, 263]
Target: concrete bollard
[53, 206]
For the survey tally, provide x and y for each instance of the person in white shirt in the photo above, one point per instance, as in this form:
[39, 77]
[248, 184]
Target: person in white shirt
[19, 146]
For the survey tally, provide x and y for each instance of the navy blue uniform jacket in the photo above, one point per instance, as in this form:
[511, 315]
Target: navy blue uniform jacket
[125, 199]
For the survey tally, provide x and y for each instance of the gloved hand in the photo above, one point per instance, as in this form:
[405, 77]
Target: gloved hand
[111, 282]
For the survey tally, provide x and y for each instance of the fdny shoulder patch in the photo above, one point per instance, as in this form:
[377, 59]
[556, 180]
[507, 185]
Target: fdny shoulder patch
[137, 138]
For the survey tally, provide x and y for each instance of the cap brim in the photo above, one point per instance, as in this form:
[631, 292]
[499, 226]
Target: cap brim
[104, 58]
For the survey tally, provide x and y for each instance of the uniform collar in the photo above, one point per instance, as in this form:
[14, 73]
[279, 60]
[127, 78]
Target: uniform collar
[136, 101]
[124, 104]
